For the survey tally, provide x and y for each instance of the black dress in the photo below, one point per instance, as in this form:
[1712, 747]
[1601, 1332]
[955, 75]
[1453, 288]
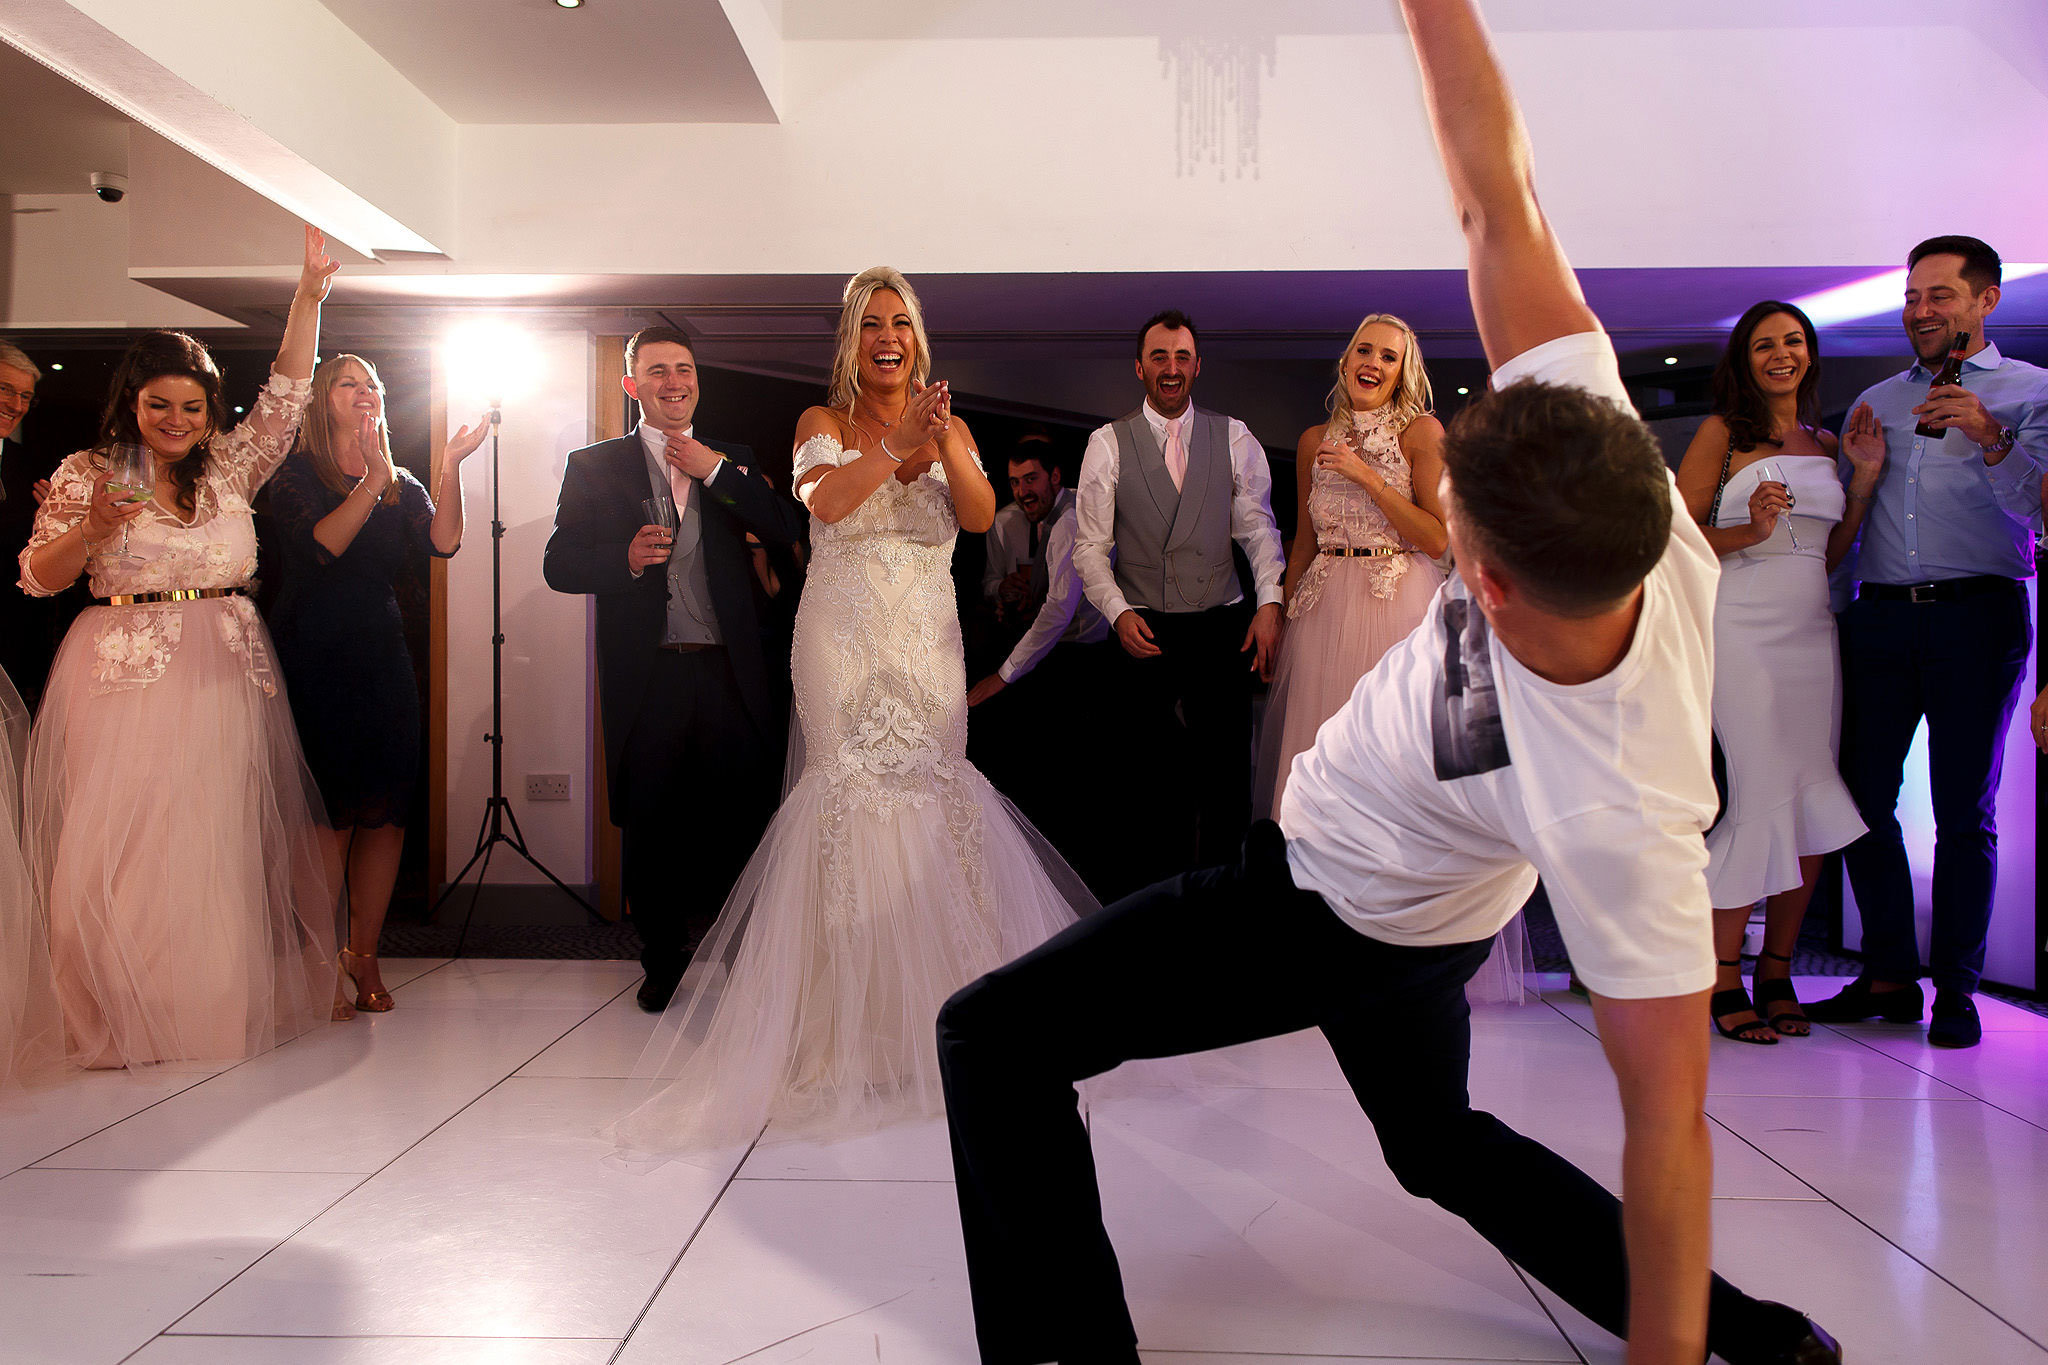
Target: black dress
[340, 641]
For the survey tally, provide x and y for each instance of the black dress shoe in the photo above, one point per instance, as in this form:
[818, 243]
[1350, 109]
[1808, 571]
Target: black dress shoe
[1806, 1342]
[1857, 1001]
[1955, 1022]
[655, 991]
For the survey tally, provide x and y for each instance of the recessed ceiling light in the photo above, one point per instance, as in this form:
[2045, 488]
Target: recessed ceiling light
[56, 364]
[1463, 389]
[570, 4]
[1670, 360]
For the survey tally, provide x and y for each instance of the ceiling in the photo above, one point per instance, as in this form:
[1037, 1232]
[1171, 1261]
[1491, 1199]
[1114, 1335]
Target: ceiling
[531, 61]
[57, 135]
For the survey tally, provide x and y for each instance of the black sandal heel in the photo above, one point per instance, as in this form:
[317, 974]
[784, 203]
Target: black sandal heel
[1734, 1000]
[1777, 990]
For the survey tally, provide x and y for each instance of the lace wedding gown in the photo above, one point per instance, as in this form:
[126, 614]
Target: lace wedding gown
[170, 825]
[892, 875]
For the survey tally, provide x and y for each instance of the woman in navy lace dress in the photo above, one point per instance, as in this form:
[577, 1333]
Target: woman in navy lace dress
[353, 524]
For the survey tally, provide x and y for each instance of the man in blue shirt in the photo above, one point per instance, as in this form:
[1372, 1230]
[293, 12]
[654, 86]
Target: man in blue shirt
[1939, 630]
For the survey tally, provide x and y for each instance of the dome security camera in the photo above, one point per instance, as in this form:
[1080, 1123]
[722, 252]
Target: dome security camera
[110, 186]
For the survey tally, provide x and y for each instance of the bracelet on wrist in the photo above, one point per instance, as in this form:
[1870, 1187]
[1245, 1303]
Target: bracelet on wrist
[894, 458]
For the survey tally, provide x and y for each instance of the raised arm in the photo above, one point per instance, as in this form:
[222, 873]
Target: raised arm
[299, 349]
[1523, 290]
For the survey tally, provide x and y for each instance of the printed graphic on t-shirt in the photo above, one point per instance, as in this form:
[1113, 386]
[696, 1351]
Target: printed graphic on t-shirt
[1464, 713]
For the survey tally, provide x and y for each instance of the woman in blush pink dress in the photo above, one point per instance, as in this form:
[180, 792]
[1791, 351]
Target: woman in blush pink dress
[170, 827]
[1360, 575]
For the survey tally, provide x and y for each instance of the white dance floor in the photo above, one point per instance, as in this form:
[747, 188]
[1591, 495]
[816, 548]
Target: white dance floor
[427, 1186]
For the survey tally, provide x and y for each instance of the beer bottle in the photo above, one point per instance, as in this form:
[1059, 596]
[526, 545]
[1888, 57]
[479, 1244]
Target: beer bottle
[1951, 373]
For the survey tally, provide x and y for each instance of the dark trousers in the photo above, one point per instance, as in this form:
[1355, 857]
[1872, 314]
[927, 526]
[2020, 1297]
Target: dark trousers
[1186, 716]
[1205, 960]
[699, 785]
[1046, 742]
[1958, 664]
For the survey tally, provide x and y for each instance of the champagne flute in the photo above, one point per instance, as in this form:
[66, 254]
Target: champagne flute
[1769, 471]
[131, 476]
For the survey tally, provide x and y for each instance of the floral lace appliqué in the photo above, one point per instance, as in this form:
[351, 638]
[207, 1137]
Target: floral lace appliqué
[1344, 515]
[160, 552]
[880, 683]
[241, 631]
[133, 646]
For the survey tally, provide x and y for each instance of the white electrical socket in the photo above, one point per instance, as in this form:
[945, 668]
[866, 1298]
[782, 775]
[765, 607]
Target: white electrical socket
[547, 786]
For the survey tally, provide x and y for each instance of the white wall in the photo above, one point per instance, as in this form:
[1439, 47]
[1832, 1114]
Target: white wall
[548, 701]
[66, 266]
[1655, 148]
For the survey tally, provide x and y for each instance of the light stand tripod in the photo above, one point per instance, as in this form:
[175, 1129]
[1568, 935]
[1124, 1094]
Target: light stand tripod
[497, 810]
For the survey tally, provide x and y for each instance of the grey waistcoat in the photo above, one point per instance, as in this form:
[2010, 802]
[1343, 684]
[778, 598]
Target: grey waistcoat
[1173, 546]
[691, 620]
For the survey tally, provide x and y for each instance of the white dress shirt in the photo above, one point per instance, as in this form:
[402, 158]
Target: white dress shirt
[1066, 614]
[1007, 547]
[1251, 514]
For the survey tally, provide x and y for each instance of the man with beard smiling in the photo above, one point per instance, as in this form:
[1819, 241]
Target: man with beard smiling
[694, 725]
[1939, 630]
[1163, 492]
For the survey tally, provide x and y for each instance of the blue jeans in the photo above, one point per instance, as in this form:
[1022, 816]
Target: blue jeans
[1958, 664]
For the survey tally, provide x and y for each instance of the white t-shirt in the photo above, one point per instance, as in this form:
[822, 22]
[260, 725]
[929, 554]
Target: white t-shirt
[1431, 802]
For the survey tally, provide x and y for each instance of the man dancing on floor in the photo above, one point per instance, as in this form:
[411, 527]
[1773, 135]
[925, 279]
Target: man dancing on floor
[1549, 716]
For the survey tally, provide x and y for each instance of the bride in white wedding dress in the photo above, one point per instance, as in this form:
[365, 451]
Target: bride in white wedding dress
[893, 874]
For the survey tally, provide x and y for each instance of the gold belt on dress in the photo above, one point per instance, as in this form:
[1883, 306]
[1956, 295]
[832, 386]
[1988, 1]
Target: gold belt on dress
[136, 599]
[1354, 551]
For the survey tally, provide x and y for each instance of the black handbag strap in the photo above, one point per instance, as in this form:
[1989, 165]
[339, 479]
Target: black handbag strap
[1714, 512]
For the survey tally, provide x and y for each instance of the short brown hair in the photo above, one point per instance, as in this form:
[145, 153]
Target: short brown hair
[1566, 491]
[648, 336]
[1981, 266]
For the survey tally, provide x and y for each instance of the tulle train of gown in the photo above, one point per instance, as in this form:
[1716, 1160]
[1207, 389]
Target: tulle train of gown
[170, 825]
[1348, 611]
[31, 1028]
[892, 875]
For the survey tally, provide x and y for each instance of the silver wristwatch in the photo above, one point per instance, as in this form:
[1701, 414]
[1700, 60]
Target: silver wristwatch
[2006, 439]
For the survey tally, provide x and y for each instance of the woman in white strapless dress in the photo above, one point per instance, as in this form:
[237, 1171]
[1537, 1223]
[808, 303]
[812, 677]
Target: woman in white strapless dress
[1764, 482]
[893, 874]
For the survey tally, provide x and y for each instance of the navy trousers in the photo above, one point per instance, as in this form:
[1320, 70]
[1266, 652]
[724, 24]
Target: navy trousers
[1205, 960]
[1958, 665]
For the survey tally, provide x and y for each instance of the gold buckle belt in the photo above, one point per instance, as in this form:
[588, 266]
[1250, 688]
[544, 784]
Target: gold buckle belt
[1357, 551]
[137, 599]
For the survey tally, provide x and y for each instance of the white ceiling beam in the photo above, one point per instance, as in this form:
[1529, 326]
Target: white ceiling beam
[278, 94]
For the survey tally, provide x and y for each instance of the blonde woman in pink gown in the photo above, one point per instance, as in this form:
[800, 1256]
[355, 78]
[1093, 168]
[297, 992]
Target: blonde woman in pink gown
[170, 826]
[1361, 574]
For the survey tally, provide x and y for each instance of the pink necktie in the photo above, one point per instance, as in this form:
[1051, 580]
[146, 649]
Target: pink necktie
[678, 486]
[1176, 454]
